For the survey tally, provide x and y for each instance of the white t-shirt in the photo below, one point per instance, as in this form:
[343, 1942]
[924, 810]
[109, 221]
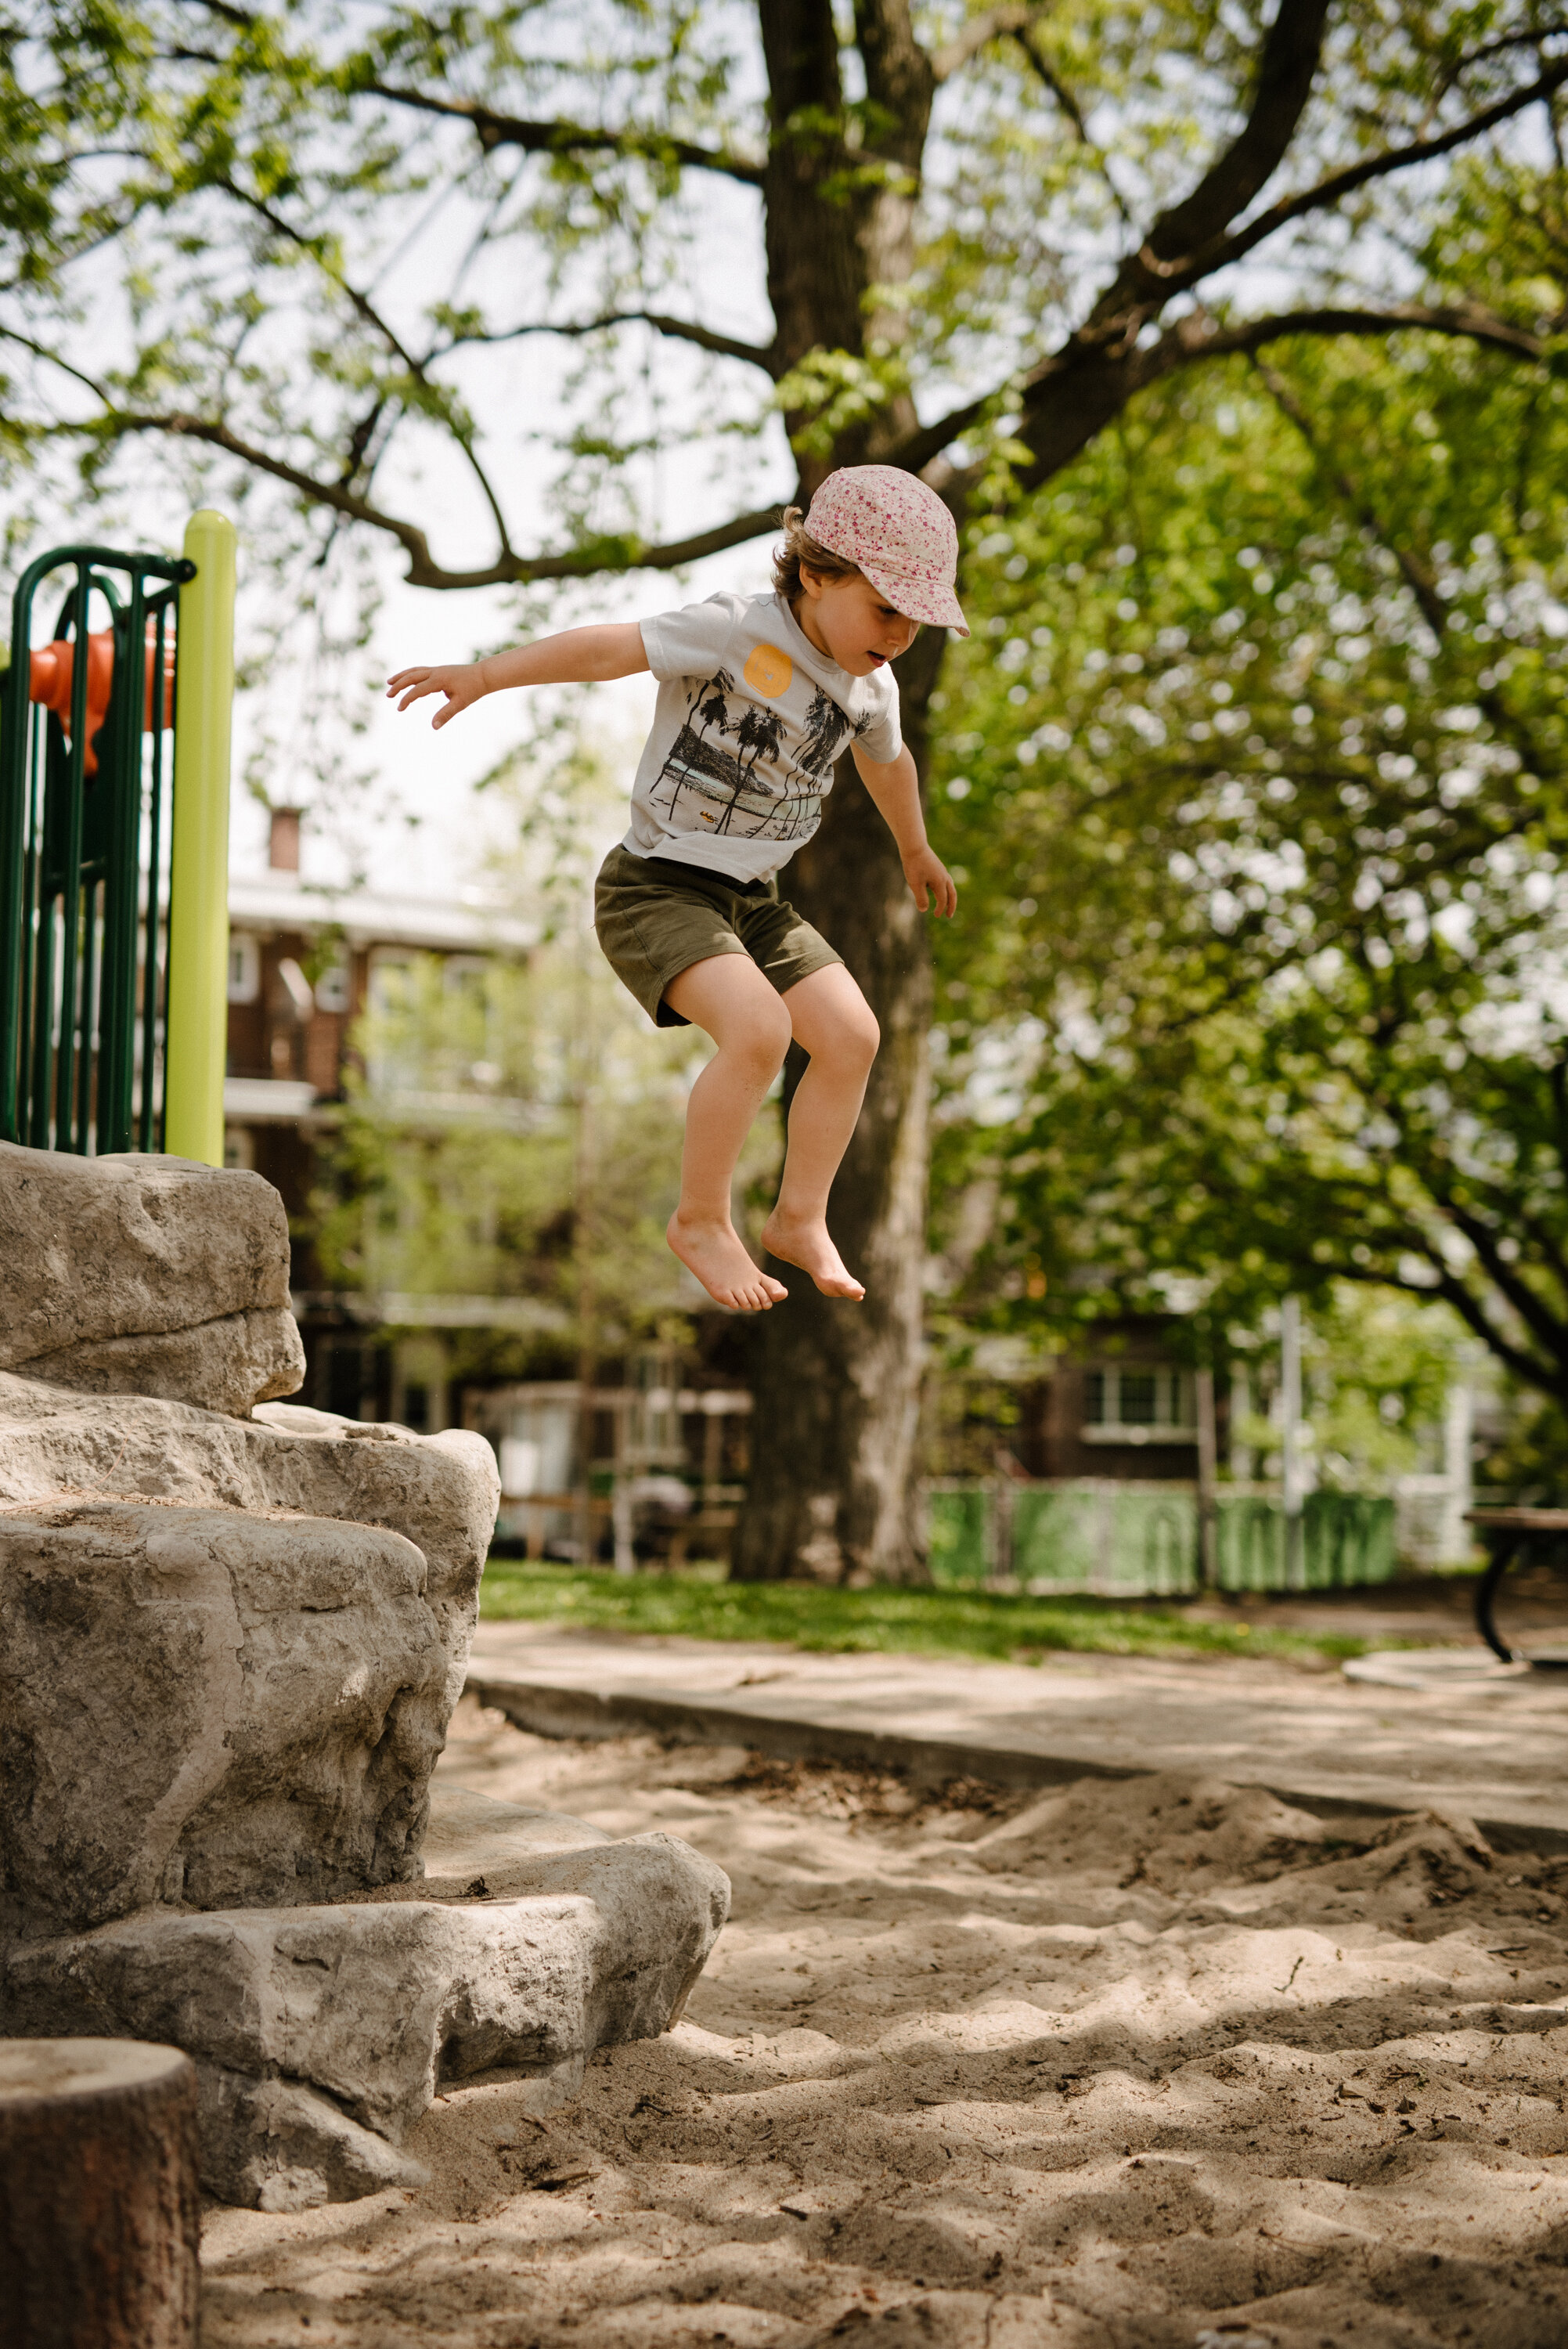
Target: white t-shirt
[750, 718]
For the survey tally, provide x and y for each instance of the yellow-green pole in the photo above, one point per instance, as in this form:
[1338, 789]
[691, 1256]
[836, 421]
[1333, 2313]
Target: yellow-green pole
[199, 875]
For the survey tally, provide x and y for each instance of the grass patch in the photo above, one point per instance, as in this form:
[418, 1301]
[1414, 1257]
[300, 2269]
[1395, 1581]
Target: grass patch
[879, 1621]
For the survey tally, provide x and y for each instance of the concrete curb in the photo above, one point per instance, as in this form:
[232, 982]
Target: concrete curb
[546, 1709]
[551, 1711]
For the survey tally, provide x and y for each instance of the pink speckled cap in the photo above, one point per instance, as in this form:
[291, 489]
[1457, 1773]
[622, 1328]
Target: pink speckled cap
[899, 532]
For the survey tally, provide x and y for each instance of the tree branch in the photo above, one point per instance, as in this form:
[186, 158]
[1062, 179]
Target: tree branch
[363, 308]
[915, 452]
[1470, 1310]
[1286, 69]
[1560, 1108]
[1355, 1211]
[1201, 339]
[1432, 1164]
[42, 351]
[1053, 83]
[243, 19]
[1418, 575]
[1077, 388]
[1537, 1318]
[993, 26]
[563, 137]
[366, 310]
[624, 553]
[1531, 38]
[679, 329]
[1074, 112]
[1185, 270]
[359, 441]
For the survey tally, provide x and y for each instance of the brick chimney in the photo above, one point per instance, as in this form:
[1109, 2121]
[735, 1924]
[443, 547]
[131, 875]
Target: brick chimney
[282, 855]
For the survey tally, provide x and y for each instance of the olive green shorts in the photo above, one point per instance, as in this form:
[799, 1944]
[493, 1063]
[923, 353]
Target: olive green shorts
[655, 917]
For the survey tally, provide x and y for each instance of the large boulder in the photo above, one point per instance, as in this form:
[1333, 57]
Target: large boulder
[205, 1707]
[322, 2034]
[440, 1491]
[137, 1274]
[231, 1635]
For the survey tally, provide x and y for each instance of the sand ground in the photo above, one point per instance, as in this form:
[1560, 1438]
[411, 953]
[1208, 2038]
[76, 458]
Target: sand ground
[1152, 2064]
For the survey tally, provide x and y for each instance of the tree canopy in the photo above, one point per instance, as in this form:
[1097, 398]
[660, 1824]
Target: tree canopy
[1262, 778]
[510, 1131]
[335, 244]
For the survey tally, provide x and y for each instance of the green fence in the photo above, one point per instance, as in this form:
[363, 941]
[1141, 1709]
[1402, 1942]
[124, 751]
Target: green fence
[114, 789]
[1345, 1538]
[1140, 1539]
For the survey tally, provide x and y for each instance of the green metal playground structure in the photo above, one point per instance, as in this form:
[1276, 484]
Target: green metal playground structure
[114, 822]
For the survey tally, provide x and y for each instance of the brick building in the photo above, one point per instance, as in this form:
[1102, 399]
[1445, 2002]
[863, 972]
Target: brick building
[303, 962]
[1126, 1407]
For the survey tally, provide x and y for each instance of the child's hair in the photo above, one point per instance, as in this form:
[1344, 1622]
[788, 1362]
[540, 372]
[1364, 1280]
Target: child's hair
[798, 549]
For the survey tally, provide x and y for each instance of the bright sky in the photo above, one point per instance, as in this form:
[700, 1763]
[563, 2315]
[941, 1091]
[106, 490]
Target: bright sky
[520, 393]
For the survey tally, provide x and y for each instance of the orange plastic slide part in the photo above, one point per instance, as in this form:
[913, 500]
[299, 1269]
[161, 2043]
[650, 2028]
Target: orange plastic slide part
[52, 667]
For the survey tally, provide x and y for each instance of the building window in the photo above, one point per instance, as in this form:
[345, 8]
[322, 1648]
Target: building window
[466, 975]
[332, 988]
[392, 982]
[1139, 1406]
[244, 967]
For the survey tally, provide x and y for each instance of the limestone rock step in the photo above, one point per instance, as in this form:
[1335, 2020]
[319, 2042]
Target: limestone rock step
[321, 2033]
[439, 1491]
[208, 1706]
[138, 1275]
[275, 2145]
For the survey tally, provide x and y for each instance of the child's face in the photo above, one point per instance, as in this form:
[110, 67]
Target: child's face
[853, 623]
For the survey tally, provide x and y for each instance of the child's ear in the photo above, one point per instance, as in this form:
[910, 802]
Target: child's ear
[810, 583]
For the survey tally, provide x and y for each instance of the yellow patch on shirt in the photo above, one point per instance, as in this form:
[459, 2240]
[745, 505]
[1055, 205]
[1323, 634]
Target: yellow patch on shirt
[767, 671]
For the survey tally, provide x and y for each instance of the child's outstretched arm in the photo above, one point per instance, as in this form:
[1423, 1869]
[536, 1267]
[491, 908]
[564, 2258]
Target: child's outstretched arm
[576, 657]
[894, 785]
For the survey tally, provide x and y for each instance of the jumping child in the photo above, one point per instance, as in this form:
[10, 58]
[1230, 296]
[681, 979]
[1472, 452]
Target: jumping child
[758, 694]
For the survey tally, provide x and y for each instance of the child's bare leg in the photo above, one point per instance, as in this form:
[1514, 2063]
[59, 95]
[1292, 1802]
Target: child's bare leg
[834, 1023]
[727, 996]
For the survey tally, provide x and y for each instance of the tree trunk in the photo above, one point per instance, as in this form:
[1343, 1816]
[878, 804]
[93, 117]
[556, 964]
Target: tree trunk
[100, 2216]
[834, 1488]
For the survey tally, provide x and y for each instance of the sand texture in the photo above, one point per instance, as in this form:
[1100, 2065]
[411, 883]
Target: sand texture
[1160, 2064]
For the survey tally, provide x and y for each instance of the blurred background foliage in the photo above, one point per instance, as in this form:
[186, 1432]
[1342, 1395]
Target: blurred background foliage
[514, 1135]
[1254, 769]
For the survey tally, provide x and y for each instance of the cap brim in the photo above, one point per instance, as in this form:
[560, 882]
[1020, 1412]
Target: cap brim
[932, 606]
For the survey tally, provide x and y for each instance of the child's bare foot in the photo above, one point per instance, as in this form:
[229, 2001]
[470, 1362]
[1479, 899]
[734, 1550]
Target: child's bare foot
[713, 1251]
[805, 1242]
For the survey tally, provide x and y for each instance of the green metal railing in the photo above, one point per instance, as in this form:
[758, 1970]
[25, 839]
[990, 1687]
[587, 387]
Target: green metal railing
[114, 782]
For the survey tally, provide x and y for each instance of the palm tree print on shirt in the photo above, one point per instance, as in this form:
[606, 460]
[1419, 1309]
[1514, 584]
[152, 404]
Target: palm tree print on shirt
[708, 708]
[715, 711]
[761, 731]
[826, 726]
[752, 791]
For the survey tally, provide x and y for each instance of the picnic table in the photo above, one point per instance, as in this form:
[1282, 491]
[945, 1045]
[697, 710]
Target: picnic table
[1512, 1534]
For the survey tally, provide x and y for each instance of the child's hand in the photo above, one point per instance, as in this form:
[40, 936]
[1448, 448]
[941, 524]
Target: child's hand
[924, 870]
[463, 684]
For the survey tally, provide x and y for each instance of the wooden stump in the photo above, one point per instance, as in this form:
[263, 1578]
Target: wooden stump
[99, 2215]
